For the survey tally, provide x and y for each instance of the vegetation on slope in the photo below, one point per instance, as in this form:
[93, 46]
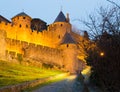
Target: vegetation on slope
[11, 73]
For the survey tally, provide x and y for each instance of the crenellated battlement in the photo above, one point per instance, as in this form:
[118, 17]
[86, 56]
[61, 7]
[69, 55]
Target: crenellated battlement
[50, 37]
[33, 51]
[20, 38]
[19, 46]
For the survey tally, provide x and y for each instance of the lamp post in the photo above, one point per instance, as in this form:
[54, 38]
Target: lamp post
[102, 54]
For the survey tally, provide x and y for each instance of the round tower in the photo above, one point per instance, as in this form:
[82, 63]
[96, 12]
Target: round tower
[62, 22]
[22, 20]
[69, 48]
[60, 26]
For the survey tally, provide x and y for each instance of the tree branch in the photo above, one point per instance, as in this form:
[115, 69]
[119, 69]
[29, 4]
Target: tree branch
[114, 3]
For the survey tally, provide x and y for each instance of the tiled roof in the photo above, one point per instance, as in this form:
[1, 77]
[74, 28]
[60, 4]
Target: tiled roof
[4, 19]
[60, 18]
[38, 20]
[67, 39]
[21, 14]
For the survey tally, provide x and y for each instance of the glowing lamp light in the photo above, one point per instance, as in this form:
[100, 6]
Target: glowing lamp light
[101, 53]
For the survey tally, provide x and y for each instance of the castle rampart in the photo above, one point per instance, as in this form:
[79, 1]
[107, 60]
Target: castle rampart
[50, 37]
[18, 38]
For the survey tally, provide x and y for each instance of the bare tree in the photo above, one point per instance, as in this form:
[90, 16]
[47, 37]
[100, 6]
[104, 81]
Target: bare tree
[108, 20]
[104, 56]
[114, 3]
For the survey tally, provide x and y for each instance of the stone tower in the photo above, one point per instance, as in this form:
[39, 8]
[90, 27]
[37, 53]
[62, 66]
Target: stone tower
[68, 44]
[22, 20]
[63, 21]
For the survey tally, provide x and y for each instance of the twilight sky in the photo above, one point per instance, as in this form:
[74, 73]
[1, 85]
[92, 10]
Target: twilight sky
[48, 10]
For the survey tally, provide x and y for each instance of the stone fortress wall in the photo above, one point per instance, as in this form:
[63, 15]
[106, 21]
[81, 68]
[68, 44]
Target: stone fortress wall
[50, 37]
[18, 38]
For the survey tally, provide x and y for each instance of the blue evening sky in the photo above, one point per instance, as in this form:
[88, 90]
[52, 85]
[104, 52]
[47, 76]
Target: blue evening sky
[48, 10]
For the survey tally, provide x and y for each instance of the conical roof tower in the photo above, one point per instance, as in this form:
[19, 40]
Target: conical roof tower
[60, 18]
[67, 39]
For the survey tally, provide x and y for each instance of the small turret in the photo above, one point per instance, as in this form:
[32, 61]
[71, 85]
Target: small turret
[67, 39]
[22, 20]
[69, 47]
[60, 18]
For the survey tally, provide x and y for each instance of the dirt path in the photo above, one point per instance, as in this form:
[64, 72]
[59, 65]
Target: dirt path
[67, 85]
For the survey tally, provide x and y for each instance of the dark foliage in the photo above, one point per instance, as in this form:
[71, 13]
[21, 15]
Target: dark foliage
[106, 66]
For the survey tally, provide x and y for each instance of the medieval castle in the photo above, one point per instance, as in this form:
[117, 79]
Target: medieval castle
[34, 40]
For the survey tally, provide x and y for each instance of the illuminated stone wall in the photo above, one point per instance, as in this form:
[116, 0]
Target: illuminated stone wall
[50, 37]
[44, 54]
[2, 44]
[42, 46]
[64, 56]
[22, 21]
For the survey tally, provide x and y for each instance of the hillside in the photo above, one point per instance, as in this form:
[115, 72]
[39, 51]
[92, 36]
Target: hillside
[11, 73]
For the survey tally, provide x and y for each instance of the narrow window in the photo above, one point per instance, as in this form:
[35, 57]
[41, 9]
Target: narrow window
[61, 25]
[58, 36]
[67, 45]
[26, 26]
[23, 17]
[20, 25]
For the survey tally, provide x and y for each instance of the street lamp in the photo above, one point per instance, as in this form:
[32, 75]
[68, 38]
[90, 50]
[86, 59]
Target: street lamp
[102, 54]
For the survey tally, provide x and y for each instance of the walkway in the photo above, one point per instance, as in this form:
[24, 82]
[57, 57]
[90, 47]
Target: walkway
[71, 84]
[67, 85]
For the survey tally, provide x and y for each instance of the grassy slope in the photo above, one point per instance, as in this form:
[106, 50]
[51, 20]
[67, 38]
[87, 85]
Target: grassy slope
[14, 73]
